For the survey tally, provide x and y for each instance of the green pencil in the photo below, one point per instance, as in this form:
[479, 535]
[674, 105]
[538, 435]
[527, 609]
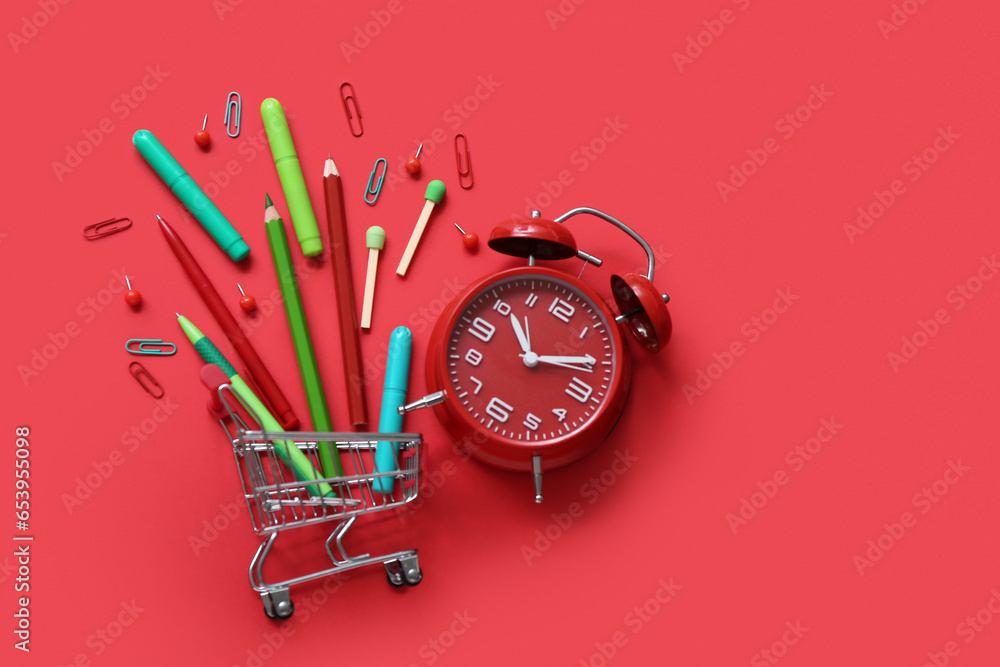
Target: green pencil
[312, 383]
[290, 455]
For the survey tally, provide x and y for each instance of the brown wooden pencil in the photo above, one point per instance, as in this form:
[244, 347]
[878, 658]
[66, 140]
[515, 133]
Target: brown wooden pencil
[350, 342]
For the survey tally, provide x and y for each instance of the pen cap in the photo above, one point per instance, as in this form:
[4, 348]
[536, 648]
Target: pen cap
[397, 365]
[158, 157]
[276, 126]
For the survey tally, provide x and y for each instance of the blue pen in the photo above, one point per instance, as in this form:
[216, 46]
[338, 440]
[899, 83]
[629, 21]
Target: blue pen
[397, 376]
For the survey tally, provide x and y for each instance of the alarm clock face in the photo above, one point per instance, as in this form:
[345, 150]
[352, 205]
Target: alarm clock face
[534, 362]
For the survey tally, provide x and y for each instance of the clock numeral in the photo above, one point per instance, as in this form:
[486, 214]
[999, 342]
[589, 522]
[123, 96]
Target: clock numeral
[562, 309]
[479, 385]
[502, 307]
[530, 301]
[482, 329]
[579, 390]
[532, 422]
[559, 413]
[498, 409]
[474, 356]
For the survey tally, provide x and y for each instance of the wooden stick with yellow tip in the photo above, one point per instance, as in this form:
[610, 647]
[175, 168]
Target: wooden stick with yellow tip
[375, 240]
[433, 195]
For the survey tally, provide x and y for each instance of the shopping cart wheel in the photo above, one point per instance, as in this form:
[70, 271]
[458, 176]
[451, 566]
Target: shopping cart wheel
[278, 605]
[414, 577]
[411, 570]
[394, 573]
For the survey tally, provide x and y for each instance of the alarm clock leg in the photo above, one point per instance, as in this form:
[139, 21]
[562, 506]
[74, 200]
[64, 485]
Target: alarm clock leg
[536, 464]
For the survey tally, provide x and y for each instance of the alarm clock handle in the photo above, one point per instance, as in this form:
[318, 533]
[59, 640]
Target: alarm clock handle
[617, 223]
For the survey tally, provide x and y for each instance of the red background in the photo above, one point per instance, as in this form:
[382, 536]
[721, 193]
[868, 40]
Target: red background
[556, 84]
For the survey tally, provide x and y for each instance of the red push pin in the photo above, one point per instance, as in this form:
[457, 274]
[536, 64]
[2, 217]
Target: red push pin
[201, 137]
[132, 296]
[247, 303]
[469, 239]
[413, 163]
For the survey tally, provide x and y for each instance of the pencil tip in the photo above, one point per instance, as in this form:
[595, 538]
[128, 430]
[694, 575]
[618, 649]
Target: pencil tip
[267, 201]
[159, 218]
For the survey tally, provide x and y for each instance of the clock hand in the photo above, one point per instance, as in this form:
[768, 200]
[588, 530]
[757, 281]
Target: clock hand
[522, 338]
[551, 359]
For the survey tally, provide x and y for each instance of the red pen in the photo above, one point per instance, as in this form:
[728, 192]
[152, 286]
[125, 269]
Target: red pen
[269, 388]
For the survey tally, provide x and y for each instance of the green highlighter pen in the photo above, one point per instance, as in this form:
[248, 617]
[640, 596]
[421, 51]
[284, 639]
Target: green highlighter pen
[192, 196]
[290, 455]
[286, 161]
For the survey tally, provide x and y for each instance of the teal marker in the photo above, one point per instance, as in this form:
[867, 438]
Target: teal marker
[397, 377]
[289, 454]
[286, 161]
[192, 196]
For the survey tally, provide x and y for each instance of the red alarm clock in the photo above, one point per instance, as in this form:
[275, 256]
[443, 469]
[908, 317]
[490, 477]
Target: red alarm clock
[528, 367]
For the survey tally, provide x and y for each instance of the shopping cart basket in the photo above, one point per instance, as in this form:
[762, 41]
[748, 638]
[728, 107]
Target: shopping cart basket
[278, 501]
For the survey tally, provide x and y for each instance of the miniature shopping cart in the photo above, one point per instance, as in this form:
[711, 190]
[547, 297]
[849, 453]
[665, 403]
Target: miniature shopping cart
[278, 501]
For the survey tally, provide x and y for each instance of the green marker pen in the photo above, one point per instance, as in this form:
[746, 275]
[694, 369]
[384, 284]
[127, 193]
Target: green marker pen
[286, 161]
[289, 454]
[192, 196]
